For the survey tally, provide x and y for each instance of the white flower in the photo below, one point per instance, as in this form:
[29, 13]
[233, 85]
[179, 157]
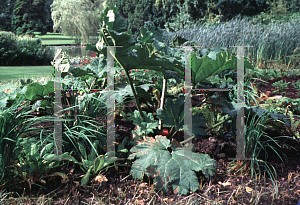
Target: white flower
[111, 16]
[99, 45]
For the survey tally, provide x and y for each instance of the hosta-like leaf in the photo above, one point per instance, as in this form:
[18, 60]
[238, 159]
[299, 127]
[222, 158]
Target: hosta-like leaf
[86, 177]
[48, 88]
[64, 156]
[87, 164]
[98, 163]
[93, 150]
[176, 169]
[82, 150]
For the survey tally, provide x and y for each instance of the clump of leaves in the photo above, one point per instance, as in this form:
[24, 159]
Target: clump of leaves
[171, 165]
[281, 85]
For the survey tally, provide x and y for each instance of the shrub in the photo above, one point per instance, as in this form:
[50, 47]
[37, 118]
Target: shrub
[16, 51]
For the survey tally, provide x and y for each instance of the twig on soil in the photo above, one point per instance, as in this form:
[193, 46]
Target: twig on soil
[125, 178]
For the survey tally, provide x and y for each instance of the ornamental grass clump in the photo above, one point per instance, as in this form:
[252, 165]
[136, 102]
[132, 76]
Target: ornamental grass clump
[271, 41]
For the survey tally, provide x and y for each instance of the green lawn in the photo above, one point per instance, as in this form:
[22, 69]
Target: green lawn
[9, 73]
[57, 39]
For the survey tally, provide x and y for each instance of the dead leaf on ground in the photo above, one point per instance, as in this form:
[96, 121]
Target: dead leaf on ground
[100, 178]
[224, 184]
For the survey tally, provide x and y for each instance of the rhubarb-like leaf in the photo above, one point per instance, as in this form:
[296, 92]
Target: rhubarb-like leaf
[132, 55]
[176, 169]
[213, 64]
[34, 91]
[48, 88]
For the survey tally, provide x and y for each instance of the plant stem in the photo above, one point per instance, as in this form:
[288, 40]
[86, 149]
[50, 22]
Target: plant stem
[86, 84]
[104, 81]
[162, 99]
[134, 95]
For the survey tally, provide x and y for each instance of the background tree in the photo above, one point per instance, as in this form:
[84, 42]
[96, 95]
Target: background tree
[48, 18]
[29, 16]
[79, 18]
[6, 14]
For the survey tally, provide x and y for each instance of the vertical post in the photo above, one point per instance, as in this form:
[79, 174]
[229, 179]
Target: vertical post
[110, 103]
[187, 101]
[240, 106]
[57, 105]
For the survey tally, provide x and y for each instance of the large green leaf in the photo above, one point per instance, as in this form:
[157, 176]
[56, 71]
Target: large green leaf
[48, 88]
[64, 156]
[131, 55]
[214, 63]
[173, 116]
[34, 91]
[149, 35]
[174, 169]
[97, 69]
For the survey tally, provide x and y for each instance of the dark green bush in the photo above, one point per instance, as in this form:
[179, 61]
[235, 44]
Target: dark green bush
[17, 52]
[232, 8]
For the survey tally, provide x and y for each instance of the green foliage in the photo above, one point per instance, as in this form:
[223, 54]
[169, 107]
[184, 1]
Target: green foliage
[11, 138]
[158, 11]
[257, 140]
[15, 51]
[80, 19]
[213, 63]
[41, 16]
[173, 116]
[91, 162]
[297, 86]
[281, 85]
[146, 125]
[132, 55]
[176, 169]
[39, 96]
[31, 155]
[232, 8]
[6, 10]
[29, 17]
[279, 10]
